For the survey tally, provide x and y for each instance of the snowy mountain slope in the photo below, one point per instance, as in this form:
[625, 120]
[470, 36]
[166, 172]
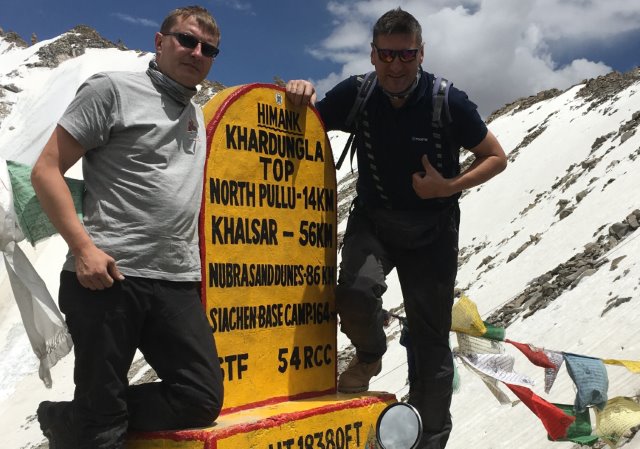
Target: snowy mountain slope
[563, 163]
[44, 92]
[572, 177]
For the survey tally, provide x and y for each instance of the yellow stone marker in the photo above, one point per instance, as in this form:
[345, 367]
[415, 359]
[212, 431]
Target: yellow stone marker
[268, 228]
[336, 422]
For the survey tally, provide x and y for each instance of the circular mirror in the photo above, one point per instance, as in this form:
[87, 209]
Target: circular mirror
[399, 427]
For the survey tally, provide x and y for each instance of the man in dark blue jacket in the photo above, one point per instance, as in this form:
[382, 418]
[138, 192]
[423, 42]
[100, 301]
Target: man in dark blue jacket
[406, 213]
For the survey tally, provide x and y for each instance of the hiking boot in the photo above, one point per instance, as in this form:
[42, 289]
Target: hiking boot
[355, 379]
[48, 416]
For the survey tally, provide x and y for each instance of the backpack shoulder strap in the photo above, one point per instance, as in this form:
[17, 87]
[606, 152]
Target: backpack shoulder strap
[440, 100]
[369, 81]
[367, 84]
[445, 155]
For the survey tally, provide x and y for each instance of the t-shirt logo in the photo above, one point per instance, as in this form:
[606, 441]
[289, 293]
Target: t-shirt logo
[192, 131]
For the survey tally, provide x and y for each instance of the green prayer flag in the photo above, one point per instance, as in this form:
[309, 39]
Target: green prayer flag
[580, 431]
[34, 223]
[494, 332]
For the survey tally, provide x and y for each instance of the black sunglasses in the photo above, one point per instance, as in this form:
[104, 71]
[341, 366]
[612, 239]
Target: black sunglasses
[387, 55]
[189, 41]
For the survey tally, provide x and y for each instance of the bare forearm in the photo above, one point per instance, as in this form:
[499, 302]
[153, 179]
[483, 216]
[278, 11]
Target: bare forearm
[58, 155]
[490, 160]
[56, 201]
[480, 171]
[95, 269]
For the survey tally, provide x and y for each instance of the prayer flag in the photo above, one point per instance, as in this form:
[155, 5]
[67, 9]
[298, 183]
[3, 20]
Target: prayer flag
[580, 431]
[553, 419]
[590, 378]
[494, 332]
[491, 383]
[618, 416]
[477, 345]
[550, 374]
[631, 365]
[465, 318]
[497, 366]
[535, 355]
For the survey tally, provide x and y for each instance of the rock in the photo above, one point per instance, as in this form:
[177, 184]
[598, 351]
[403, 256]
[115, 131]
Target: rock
[619, 230]
[524, 103]
[566, 212]
[626, 136]
[614, 302]
[615, 262]
[11, 88]
[70, 45]
[581, 195]
[14, 39]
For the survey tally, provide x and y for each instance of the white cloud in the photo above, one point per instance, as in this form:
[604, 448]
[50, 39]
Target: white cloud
[238, 5]
[495, 50]
[137, 20]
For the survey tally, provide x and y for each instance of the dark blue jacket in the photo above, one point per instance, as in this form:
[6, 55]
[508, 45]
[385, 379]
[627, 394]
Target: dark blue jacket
[399, 138]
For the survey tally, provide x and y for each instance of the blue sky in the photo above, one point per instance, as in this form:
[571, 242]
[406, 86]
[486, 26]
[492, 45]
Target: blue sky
[495, 50]
[260, 39]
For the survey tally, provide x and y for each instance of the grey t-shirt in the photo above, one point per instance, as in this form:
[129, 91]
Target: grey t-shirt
[143, 171]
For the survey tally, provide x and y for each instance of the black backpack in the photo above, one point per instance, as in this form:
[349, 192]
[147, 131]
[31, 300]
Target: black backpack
[441, 114]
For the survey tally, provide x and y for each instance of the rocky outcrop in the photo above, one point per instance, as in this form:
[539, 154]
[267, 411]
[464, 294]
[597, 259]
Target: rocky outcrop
[70, 45]
[604, 88]
[595, 91]
[524, 103]
[13, 39]
[207, 90]
[549, 286]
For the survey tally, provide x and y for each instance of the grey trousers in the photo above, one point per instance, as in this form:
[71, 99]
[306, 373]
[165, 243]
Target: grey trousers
[424, 251]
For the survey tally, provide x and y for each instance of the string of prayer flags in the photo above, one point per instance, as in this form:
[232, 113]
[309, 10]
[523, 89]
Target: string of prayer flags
[590, 377]
[482, 352]
[618, 417]
[580, 431]
[553, 419]
[631, 365]
[466, 318]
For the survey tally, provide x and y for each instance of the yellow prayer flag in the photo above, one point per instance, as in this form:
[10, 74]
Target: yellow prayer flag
[631, 365]
[465, 318]
[619, 416]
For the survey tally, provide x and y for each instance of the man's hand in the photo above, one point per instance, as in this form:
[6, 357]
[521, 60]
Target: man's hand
[430, 183]
[96, 270]
[301, 92]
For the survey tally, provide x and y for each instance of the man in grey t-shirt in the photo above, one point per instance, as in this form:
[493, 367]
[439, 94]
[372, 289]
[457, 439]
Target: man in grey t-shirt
[131, 279]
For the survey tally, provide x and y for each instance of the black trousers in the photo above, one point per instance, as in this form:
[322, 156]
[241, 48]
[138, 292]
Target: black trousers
[424, 251]
[166, 321]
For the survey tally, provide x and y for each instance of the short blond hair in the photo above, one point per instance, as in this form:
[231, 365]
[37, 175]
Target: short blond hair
[202, 16]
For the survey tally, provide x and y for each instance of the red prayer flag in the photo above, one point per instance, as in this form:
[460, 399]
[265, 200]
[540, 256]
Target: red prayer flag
[535, 356]
[553, 418]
